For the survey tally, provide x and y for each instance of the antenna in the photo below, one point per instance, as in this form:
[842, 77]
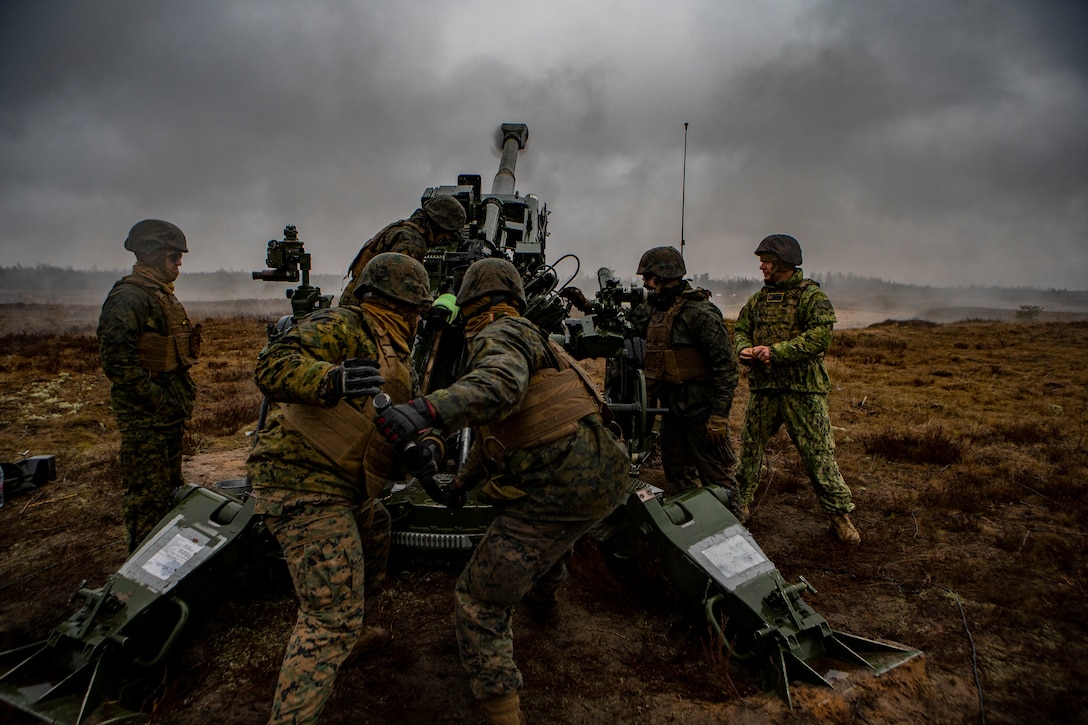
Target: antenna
[683, 188]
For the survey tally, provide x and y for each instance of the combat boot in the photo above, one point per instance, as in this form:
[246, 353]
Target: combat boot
[843, 528]
[542, 607]
[504, 709]
[742, 512]
[372, 639]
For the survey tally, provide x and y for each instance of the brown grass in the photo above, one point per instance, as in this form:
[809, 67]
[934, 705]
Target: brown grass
[964, 444]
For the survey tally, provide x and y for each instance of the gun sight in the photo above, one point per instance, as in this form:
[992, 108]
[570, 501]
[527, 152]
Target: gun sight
[288, 261]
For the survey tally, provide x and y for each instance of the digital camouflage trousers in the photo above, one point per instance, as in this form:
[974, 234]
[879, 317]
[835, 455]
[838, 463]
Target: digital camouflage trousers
[337, 555]
[150, 471]
[808, 423]
[514, 556]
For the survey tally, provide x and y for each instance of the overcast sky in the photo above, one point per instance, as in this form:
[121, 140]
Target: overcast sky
[939, 142]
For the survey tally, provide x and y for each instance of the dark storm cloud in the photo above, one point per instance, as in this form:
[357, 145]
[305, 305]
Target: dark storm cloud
[943, 126]
[918, 141]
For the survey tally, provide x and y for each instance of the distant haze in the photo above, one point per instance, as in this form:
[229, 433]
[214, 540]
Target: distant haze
[65, 300]
[917, 141]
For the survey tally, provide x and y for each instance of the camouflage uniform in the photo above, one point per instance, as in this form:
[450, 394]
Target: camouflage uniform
[686, 455]
[547, 496]
[334, 536]
[795, 319]
[147, 346]
[413, 236]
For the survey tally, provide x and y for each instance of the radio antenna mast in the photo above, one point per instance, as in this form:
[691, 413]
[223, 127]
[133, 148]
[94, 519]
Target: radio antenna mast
[683, 188]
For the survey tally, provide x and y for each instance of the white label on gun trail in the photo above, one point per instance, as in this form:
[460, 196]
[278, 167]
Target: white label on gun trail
[731, 557]
[734, 556]
[171, 557]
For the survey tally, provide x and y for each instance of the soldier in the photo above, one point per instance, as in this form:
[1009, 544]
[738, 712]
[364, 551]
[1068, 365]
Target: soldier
[433, 225]
[317, 468]
[691, 368]
[543, 458]
[147, 345]
[781, 336]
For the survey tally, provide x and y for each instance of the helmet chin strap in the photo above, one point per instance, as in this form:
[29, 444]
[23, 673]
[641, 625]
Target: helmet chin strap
[665, 294]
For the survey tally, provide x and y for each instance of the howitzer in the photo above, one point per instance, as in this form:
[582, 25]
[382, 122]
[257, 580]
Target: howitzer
[502, 223]
[707, 553]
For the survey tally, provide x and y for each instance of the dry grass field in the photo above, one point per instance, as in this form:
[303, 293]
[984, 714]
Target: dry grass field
[966, 446]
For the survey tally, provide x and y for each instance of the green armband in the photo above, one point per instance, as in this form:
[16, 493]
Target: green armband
[448, 302]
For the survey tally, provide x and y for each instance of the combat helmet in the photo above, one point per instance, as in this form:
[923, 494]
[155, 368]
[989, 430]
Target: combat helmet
[782, 246]
[663, 262]
[488, 277]
[152, 236]
[398, 277]
[445, 212]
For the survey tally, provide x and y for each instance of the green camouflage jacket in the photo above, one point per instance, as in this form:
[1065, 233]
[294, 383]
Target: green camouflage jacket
[140, 398]
[582, 476]
[290, 369]
[405, 236]
[699, 325]
[795, 319]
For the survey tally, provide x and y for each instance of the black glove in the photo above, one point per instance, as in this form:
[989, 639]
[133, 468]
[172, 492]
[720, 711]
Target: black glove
[577, 298]
[405, 422]
[355, 378]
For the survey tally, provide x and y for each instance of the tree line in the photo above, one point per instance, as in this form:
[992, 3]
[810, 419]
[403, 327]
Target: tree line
[50, 278]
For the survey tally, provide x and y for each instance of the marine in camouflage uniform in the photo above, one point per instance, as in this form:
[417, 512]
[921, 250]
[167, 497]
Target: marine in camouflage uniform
[433, 225]
[147, 346]
[317, 467]
[541, 455]
[691, 369]
[781, 336]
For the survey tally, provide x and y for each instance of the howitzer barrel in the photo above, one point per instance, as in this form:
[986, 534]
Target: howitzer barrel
[514, 137]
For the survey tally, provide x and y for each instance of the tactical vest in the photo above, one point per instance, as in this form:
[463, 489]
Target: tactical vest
[180, 346]
[661, 363]
[776, 318]
[346, 435]
[557, 398]
[371, 249]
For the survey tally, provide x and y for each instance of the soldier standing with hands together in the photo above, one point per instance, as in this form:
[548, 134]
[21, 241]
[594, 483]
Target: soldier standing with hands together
[781, 335]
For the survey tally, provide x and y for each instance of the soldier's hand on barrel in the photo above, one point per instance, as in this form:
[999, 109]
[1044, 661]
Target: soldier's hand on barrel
[355, 378]
[406, 422]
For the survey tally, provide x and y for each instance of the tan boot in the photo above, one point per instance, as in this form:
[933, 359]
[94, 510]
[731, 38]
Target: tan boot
[742, 512]
[504, 709]
[372, 639]
[844, 529]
